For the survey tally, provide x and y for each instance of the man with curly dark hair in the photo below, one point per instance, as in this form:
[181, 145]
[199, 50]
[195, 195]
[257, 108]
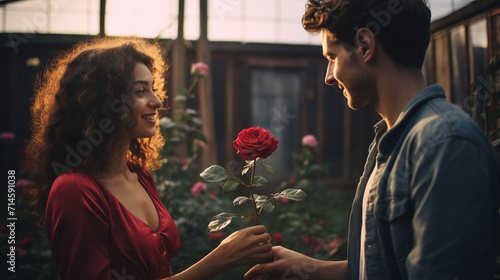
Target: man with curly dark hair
[94, 141]
[426, 206]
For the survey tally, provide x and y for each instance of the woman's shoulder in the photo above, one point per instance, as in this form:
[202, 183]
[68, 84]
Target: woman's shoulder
[75, 183]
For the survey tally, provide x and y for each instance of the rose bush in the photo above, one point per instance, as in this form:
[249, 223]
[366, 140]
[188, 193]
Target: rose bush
[255, 142]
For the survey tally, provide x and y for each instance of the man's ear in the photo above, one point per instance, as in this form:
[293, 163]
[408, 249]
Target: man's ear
[365, 42]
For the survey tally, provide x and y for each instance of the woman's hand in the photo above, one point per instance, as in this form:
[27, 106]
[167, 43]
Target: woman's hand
[247, 246]
[288, 264]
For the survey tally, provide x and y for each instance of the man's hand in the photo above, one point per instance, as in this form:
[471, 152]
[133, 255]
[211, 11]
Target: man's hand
[286, 264]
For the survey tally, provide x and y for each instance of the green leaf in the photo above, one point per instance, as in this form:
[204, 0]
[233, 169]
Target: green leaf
[214, 173]
[230, 187]
[268, 207]
[180, 98]
[260, 198]
[202, 137]
[259, 181]
[181, 91]
[196, 121]
[166, 123]
[175, 139]
[235, 179]
[192, 112]
[183, 128]
[268, 168]
[245, 169]
[240, 200]
[496, 144]
[293, 194]
[220, 221]
[262, 202]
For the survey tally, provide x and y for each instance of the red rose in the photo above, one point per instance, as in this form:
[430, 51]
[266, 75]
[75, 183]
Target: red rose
[306, 241]
[335, 243]
[279, 238]
[26, 241]
[255, 142]
[215, 235]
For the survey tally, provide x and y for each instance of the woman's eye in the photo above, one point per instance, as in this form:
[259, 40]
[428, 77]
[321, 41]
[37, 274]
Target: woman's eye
[141, 91]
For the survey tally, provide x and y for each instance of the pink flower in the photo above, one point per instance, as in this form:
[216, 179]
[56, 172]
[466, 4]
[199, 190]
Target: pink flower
[212, 194]
[284, 199]
[279, 238]
[198, 188]
[4, 229]
[20, 252]
[26, 241]
[215, 235]
[200, 143]
[22, 183]
[309, 140]
[494, 89]
[7, 135]
[199, 69]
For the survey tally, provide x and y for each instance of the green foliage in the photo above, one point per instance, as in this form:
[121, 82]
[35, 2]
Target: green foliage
[33, 254]
[216, 173]
[304, 164]
[485, 102]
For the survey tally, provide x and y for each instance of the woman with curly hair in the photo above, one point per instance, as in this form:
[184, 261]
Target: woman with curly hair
[94, 140]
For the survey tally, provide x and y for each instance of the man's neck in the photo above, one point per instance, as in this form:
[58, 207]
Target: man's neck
[396, 87]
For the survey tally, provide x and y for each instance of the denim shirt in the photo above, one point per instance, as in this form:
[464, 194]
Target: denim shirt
[432, 212]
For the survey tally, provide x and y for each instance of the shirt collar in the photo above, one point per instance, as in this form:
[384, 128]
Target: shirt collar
[387, 141]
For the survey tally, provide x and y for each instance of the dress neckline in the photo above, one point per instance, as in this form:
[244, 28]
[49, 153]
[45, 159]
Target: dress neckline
[140, 179]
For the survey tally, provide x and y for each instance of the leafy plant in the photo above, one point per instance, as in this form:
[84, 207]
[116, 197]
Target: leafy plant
[485, 102]
[216, 173]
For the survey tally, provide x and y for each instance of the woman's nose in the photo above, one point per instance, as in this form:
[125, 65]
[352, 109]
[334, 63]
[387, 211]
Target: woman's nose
[155, 102]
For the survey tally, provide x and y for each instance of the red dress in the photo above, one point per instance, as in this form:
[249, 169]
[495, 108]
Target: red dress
[94, 237]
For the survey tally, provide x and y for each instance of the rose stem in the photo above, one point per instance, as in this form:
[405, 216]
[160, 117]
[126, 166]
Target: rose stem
[251, 193]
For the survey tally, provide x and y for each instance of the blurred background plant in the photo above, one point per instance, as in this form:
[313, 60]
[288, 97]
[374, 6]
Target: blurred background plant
[484, 107]
[318, 225]
[33, 257]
